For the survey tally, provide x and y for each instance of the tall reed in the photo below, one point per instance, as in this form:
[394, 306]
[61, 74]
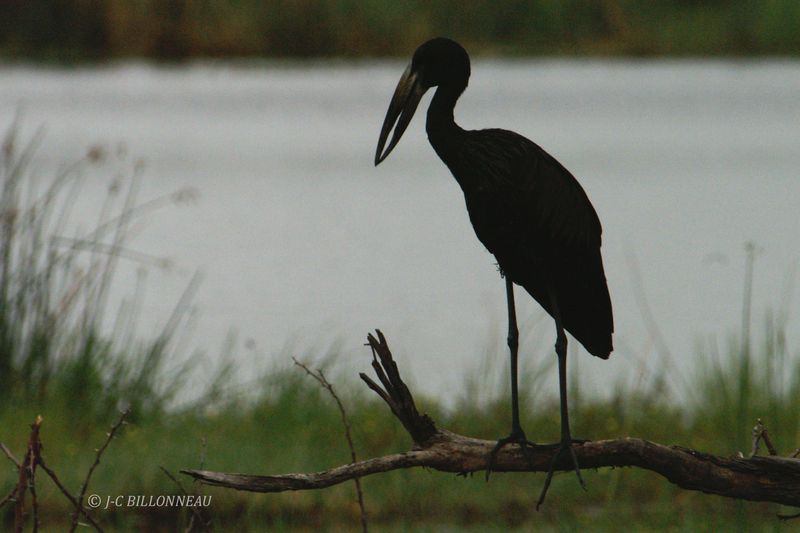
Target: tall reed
[56, 336]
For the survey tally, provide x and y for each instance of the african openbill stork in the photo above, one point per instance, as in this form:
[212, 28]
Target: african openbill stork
[526, 208]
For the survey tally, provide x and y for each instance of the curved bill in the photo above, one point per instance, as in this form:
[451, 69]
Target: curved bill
[406, 97]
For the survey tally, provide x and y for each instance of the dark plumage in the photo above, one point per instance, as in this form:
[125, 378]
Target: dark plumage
[533, 215]
[526, 208]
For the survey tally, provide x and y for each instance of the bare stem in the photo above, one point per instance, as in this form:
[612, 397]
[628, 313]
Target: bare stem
[195, 512]
[760, 433]
[319, 376]
[110, 435]
[9, 498]
[69, 496]
[10, 455]
[25, 482]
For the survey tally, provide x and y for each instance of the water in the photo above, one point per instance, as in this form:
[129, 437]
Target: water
[304, 244]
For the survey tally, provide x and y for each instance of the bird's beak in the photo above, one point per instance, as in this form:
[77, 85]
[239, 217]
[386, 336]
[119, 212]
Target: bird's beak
[406, 97]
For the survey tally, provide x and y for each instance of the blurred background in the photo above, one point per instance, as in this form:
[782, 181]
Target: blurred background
[189, 200]
[180, 29]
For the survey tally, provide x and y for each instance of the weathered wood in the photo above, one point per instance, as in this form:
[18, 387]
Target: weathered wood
[769, 479]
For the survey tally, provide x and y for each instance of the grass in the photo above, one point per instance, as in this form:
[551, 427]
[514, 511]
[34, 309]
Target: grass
[292, 425]
[57, 342]
[64, 358]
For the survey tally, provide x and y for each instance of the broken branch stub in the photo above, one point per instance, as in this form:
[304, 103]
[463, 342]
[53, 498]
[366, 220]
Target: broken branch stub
[395, 392]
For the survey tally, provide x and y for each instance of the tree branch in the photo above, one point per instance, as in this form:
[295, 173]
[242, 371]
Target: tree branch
[772, 479]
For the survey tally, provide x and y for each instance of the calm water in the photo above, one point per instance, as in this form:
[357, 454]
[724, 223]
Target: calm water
[303, 243]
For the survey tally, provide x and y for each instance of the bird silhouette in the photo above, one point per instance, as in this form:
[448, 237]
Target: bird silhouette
[527, 209]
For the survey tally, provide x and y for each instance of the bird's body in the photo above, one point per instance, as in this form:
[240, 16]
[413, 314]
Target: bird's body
[535, 218]
[526, 208]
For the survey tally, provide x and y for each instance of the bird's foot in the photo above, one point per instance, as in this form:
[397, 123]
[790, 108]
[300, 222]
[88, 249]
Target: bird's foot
[564, 447]
[517, 437]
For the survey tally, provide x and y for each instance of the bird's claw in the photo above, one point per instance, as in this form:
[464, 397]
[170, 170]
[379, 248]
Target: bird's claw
[517, 437]
[563, 447]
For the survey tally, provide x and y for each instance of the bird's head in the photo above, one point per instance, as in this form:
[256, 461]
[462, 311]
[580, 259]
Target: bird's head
[438, 62]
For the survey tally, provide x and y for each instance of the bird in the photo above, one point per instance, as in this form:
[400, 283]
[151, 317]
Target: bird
[527, 209]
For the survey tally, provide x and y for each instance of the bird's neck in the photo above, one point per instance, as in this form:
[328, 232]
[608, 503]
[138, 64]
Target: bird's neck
[441, 127]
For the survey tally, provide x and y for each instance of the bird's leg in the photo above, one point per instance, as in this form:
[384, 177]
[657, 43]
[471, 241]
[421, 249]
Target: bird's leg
[513, 347]
[566, 437]
[517, 435]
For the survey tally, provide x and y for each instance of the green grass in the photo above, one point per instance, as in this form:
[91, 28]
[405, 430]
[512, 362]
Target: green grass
[59, 342]
[292, 425]
[60, 360]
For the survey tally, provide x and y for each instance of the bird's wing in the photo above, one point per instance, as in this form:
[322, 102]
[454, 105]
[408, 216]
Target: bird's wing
[536, 219]
[528, 192]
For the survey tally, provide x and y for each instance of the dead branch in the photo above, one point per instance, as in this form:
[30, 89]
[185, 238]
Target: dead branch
[27, 478]
[769, 479]
[34, 497]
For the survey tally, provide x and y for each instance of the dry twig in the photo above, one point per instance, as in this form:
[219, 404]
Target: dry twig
[10, 455]
[323, 381]
[9, 498]
[99, 453]
[760, 433]
[204, 523]
[27, 481]
[69, 496]
[14, 460]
